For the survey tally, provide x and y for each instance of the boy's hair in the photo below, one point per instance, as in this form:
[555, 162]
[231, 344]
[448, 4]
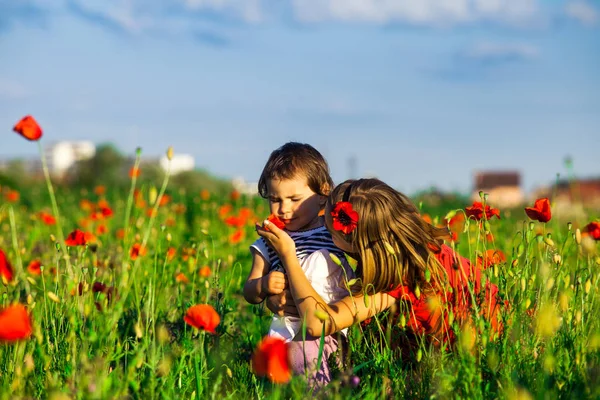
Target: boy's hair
[394, 245]
[293, 159]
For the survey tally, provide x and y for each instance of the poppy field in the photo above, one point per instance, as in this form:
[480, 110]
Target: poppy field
[138, 294]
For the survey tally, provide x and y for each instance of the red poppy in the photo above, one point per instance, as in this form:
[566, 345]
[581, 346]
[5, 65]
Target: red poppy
[171, 252]
[181, 278]
[235, 221]
[224, 210]
[236, 236]
[76, 238]
[12, 196]
[134, 172]
[234, 195]
[271, 359]
[47, 219]
[491, 257]
[593, 229]
[164, 200]
[540, 210]
[28, 128]
[202, 316]
[100, 190]
[477, 211]
[6, 270]
[15, 323]
[274, 219]
[345, 219]
[136, 251]
[427, 218]
[205, 194]
[34, 267]
[204, 271]
[101, 230]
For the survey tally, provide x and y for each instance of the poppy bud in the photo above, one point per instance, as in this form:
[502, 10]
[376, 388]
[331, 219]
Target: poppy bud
[427, 275]
[402, 321]
[152, 195]
[419, 355]
[515, 262]
[389, 248]
[450, 215]
[138, 151]
[170, 153]
[335, 259]
[557, 259]
[549, 242]
[520, 249]
[523, 284]
[321, 315]
[578, 236]
[52, 296]
[531, 226]
[569, 226]
[418, 292]
[550, 283]
[588, 286]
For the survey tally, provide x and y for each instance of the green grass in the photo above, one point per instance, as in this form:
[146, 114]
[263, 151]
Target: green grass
[136, 345]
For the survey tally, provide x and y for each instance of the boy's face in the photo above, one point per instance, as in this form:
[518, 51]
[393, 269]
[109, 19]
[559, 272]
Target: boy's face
[294, 202]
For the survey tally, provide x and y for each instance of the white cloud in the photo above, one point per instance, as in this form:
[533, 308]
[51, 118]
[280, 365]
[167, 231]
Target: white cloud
[582, 12]
[421, 12]
[501, 51]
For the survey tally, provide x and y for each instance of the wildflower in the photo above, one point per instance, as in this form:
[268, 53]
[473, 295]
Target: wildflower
[15, 323]
[593, 229]
[101, 230]
[236, 237]
[136, 251]
[76, 238]
[274, 219]
[134, 172]
[202, 316]
[171, 252]
[6, 270]
[204, 271]
[28, 128]
[181, 278]
[205, 194]
[234, 195]
[100, 190]
[427, 218]
[34, 267]
[47, 219]
[345, 219]
[12, 196]
[224, 210]
[477, 211]
[540, 210]
[271, 359]
[235, 221]
[491, 257]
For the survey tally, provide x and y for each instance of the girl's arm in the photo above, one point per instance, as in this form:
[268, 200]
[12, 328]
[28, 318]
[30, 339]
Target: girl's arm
[341, 314]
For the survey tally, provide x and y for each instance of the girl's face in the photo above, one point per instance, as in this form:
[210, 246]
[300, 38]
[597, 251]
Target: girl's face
[294, 202]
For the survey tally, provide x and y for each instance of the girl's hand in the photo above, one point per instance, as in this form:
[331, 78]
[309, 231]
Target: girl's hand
[277, 239]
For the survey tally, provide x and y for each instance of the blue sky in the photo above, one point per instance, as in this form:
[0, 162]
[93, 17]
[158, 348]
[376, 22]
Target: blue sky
[419, 92]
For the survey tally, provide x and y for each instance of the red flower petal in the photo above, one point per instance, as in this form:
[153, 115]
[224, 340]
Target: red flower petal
[540, 210]
[274, 219]
[202, 316]
[6, 270]
[28, 128]
[271, 359]
[14, 323]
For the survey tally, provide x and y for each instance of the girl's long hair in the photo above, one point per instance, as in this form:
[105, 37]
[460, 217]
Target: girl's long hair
[393, 244]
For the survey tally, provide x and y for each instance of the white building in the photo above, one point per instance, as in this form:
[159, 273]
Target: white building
[179, 163]
[240, 184]
[61, 156]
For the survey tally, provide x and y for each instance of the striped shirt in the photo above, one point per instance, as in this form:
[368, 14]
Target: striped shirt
[307, 242]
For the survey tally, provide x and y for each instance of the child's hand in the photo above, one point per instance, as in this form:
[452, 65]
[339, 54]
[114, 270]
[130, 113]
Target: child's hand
[277, 239]
[274, 283]
[282, 303]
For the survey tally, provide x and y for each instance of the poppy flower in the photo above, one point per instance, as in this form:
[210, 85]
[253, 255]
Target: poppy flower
[345, 219]
[235, 221]
[491, 257]
[15, 323]
[271, 359]
[47, 219]
[204, 271]
[224, 210]
[100, 190]
[205, 194]
[171, 253]
[164, 200]
[234, 195]
[76, 238]
[540, 210]
[28, 128]
[134, 172]
[101, 230]
[274, 219]
[181, 278]
[236, 236]
[136, 251]
[477, 211]
[12, 196]
[34, 267]
[427, 218]
[593, 229]
[6, 270]
[202, 316]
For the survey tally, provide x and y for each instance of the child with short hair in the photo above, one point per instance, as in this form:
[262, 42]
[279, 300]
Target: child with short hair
[400, 261]
[296, 182]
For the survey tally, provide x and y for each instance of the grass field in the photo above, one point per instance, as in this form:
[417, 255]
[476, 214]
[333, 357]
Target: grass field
[107, 316]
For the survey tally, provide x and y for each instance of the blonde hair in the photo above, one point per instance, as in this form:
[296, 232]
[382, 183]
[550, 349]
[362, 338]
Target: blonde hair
[393, 244]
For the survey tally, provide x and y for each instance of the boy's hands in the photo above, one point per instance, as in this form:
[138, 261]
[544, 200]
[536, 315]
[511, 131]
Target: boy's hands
[277, 239]
[274, 282]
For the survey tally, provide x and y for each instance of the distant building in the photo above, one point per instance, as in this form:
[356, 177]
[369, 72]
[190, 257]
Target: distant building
[179, 163]
[585, 192]
[60, 156]
[503, 188]
[240, 184]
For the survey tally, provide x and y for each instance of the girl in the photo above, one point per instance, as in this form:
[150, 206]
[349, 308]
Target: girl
[401, 262]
